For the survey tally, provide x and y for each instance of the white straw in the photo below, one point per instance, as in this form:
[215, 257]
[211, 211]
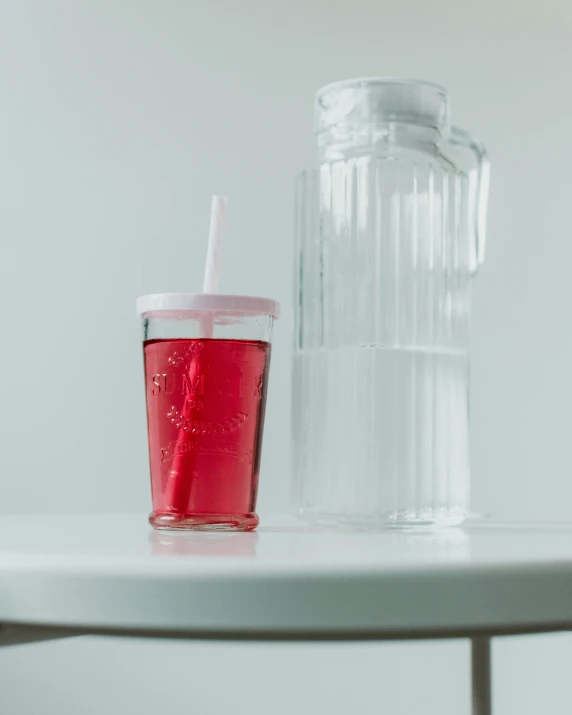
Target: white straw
[212, 268]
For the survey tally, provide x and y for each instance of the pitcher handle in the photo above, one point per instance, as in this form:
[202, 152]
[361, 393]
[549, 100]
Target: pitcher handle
[479, 177]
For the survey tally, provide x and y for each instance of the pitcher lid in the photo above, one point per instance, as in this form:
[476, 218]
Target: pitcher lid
[372, 100]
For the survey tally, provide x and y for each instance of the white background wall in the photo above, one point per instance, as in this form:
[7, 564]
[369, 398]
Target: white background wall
[118, 119]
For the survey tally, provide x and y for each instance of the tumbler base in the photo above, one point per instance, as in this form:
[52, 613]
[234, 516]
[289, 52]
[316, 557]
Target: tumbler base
[204, 522]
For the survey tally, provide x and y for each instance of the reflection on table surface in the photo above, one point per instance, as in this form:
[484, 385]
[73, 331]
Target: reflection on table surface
[181, 543]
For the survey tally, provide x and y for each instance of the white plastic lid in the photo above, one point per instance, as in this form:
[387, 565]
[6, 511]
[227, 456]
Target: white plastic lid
[217, 302]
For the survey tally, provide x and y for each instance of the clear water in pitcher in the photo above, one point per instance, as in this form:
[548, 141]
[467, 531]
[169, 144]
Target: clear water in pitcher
[381, 435]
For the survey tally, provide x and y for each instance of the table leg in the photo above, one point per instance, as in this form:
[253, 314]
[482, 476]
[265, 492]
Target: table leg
[481, 676]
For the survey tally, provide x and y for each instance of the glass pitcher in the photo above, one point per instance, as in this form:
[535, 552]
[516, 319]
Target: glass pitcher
[390, 229]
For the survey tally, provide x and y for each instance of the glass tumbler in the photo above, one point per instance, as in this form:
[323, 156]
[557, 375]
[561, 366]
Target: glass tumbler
[390, 232]
[206, 374]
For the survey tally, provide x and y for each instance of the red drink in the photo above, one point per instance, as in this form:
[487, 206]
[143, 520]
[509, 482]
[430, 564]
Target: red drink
[205, 416]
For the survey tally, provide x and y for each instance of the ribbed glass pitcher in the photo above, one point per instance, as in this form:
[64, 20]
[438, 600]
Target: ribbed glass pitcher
[390, 231]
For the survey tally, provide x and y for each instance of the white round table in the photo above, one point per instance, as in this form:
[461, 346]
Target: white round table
[112, 574]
